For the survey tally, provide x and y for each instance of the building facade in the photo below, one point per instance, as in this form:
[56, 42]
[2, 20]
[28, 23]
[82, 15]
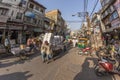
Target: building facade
[34, 19]
[21, 19]
[12, 13]
[59, 22]
[110, 14]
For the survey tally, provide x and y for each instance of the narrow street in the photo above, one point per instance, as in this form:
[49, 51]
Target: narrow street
[69, 66]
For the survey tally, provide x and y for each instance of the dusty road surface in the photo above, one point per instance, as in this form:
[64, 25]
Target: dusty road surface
[68, 66]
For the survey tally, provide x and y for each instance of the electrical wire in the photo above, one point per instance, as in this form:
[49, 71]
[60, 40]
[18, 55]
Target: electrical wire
[85, 10]
[94, 7]
[74, 21]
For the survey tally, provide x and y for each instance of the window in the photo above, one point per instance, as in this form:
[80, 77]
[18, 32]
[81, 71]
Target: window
[24, 2]
[106, 13]
[27, 19]
[31, 6]
[12, 13]
[109, 10]
[107, 1]
[19, 15]
[103, 3]
[38, 22]
[112, 8]
[114, 16]
[3, 12]
[37, 8]
[103, 14]
[34, 21]
[41, 11]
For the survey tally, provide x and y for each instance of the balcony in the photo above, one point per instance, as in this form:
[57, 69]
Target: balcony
[5, 5]
[105, 16]
[107, 5]
[15, 20]
[29, 21]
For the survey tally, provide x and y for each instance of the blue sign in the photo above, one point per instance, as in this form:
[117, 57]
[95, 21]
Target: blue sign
[30, 14]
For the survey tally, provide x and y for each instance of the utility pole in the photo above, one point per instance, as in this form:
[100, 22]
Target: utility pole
[88, 25]
[89, 32]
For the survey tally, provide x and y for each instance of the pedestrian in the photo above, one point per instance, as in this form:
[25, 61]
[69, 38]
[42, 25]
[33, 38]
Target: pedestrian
[74, 42]
[34, 41]
[30, 43]
[7, 44]
[49, 52]
[43, 51]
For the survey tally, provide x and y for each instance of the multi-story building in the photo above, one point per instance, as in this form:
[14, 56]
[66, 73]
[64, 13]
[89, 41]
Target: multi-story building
[59, 24]
[34, 19]
[110, 14]
[11, 22]
[47, 23]
[21, 18]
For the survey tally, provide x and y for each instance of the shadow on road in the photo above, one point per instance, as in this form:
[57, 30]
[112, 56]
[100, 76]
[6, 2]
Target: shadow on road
[6, 62]
[88, 73]
[16, 76]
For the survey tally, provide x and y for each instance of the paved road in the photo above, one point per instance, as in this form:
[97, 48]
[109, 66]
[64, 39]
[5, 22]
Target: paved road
[69, 66]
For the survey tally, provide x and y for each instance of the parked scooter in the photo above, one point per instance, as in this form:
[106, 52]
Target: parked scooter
[85, 51]
[106, 66]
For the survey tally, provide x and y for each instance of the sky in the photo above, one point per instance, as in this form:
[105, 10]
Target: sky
[69, 8]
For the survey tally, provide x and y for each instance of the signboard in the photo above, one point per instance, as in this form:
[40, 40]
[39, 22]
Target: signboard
[30, 14]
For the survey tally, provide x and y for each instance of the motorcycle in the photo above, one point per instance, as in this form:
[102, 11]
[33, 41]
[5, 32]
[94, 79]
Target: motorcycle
[106, 66]
[84, 51]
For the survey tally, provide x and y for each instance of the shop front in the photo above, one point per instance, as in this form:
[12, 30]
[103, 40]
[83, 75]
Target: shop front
[15, 34]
